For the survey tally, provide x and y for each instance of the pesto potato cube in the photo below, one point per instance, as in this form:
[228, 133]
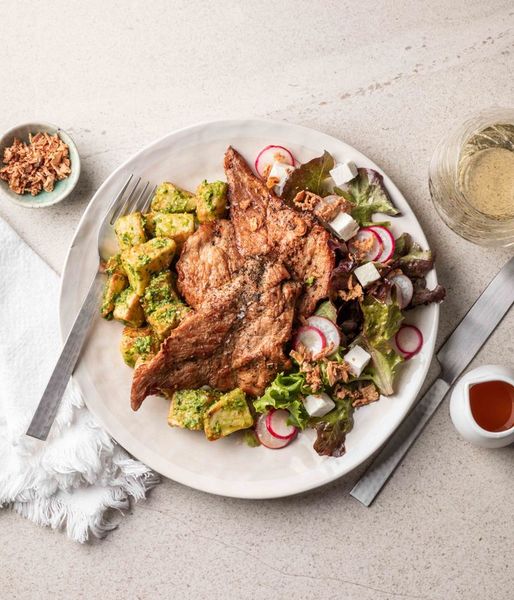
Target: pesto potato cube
[138, 343]
[130, 230]
[141, 261]
[230, 413]
[176, 226]
[187, 408]
[211, 200]
[159, 291]
[128, 309]
[149, 219]
[169, 198]
[114, 265]
[115, 284]
[166, 317]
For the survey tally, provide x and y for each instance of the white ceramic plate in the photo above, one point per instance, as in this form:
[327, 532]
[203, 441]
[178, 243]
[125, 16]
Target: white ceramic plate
[227, 467]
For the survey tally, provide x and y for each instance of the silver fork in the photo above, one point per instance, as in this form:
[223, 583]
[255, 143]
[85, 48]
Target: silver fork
[130, 198]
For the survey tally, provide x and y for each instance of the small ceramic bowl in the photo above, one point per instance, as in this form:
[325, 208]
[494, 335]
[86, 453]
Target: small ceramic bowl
[62, 188]
[460, 408]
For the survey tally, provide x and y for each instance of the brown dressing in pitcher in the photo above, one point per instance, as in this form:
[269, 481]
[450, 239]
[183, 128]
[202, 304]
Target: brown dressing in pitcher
[492, 405]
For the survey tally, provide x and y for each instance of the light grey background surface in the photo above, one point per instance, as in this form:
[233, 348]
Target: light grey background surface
[388, 77]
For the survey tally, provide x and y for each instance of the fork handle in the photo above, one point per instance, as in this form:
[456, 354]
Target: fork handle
[51, 398]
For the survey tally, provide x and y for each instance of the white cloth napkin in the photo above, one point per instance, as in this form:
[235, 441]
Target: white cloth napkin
[74, 478]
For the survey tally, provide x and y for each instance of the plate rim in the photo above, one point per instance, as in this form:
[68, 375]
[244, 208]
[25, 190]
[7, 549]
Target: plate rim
[200, 483]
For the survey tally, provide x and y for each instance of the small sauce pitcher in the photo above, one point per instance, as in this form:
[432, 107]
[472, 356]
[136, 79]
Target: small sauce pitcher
[470, 419]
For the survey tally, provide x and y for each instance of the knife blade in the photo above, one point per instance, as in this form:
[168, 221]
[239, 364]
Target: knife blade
[454, 356]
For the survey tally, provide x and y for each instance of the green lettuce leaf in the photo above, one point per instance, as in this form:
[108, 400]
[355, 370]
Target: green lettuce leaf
[417, 262]
[422, 295]
[310, 176]
[286, 392]
[416, 252]
[332, 429]
[381, 321]
[368, 195]
[402, 245]
[411, 258]
[328, 310]
[382, 369]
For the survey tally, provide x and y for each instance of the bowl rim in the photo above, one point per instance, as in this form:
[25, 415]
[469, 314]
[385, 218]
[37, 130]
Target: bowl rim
[75, 172]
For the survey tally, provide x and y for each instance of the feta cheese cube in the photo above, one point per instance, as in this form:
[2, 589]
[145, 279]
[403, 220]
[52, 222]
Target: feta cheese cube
[343, 172]
[367, 274]
[357, 358]
[344, 225]
[318, 405]
[280, 171]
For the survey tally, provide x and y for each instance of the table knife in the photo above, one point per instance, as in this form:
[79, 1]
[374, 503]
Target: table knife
[454, 356]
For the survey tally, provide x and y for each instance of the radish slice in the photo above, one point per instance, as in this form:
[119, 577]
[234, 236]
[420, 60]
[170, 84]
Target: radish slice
[387, 240]
[327, 328]
[312, 338]
[266, 438]
[267, 156]
[404, 289]
[409, 341]
[276, 423]
[378, 247]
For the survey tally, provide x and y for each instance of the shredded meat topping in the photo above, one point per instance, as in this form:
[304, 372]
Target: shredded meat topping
[354, 291]
[306, 200]
[310, 369]
[37, 165]
[337, 372]
[367, 394]
[360, 248]
[329, 208]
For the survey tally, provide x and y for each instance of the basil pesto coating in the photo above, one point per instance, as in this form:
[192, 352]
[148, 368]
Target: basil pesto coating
[230, 413]
[188, 407]
[169, 198]
[211, 200]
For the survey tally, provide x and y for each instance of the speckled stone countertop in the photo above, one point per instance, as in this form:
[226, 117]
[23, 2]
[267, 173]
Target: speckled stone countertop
[387, 77]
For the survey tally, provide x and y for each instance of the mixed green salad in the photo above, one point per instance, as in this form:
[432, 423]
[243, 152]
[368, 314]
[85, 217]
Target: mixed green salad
[349, 353]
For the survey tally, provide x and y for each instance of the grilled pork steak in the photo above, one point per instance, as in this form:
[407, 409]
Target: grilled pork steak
[265, 224]
[246, 279]
[209, 260]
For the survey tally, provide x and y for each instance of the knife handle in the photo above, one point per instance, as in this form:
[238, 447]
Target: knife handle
[392, 453]
[51, 398]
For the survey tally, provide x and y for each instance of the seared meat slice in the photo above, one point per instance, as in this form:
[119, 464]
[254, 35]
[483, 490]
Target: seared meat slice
[210, 259]
[247, 279]
[235, 339]
[264, 223]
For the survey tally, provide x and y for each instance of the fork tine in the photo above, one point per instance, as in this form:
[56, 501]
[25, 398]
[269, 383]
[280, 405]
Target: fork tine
[119, 196]
[121, 211]
[148, 200]
[135, 203]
